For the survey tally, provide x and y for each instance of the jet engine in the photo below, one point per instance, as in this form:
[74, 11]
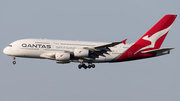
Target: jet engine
[81, 52]
[62, 56]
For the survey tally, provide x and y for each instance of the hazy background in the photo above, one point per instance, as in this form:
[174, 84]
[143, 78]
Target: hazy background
[155, 79]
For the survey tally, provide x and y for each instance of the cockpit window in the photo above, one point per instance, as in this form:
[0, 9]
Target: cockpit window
[10, 45]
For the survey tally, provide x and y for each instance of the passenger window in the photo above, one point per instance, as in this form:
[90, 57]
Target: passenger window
[10, 45]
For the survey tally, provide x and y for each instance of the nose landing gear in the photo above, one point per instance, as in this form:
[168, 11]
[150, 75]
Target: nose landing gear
[14, 60]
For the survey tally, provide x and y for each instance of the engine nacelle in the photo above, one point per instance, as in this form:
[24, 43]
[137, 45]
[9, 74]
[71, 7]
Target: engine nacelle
[81, 52]
[62, 56]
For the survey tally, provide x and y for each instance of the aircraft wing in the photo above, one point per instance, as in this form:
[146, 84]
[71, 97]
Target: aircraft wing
[105, 47]
[101, 50]
[108, 45]
[95, 52]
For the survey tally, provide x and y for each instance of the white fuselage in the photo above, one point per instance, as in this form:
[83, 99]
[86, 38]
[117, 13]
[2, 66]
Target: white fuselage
[95, 52]
[36, 48]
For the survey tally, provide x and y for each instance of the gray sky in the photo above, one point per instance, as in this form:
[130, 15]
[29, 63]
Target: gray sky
[155, 79]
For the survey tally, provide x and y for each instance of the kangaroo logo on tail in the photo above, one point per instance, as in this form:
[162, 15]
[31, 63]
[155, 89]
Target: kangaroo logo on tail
[154, 38]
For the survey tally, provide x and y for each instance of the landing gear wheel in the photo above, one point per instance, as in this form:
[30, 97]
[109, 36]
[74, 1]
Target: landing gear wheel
[93, 66]
[84, 66]
[89, 66]
[14, 62]
[80, 66]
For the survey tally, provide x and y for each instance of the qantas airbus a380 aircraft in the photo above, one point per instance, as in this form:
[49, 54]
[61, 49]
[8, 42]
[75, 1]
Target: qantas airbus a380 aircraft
[94, 52]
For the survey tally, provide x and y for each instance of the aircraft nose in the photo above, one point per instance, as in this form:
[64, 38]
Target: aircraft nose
[5, 51]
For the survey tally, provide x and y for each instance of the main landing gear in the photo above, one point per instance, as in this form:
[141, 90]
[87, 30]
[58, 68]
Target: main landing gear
[14, 60]
[82, 65]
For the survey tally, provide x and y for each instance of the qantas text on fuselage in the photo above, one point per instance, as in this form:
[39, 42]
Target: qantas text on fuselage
[36, 45]
[63, 51]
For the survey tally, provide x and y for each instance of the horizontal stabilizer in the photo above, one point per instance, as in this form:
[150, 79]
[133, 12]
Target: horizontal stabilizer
[157, 50]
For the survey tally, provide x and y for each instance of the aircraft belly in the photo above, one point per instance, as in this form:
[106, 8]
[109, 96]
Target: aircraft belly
[100, 59]
[28, 53]
[103, 59]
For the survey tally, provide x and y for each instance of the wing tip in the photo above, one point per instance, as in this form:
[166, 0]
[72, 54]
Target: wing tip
[124, 41]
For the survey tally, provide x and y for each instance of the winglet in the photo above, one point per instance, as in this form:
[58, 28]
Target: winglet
[124, 41]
